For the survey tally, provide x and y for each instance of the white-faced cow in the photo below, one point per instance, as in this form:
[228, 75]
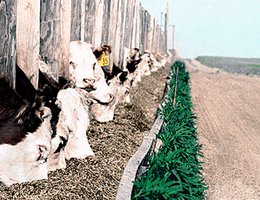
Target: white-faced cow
[82, 65]
[103, 107]
[25, 132]
[133, 59]
[116, 78]
[73, 122]
[137, 65]
[157, 60]
[86, 72]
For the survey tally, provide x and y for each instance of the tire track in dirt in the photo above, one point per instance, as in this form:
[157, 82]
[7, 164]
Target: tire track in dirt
[228, 111]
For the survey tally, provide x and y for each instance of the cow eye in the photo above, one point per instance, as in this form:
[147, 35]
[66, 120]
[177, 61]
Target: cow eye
[94, 66]
[73, 64]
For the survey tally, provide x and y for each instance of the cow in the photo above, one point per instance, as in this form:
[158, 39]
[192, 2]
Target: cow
[142, 69]
[49, 88]
[120, 83]
[116, 78]
[136, 64]
[82, 63]
[74, 120]
[133, 59]
[107, 49]
[87, 74]
[157, 60]
[104, 102]
[102, 54]
[25, 132]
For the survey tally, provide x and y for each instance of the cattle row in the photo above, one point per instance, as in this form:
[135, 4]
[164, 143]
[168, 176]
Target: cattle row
[40, 129]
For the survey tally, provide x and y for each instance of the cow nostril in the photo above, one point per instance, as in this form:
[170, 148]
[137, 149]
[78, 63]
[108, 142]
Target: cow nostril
[89, 80]
[111, 97]
[89, 89]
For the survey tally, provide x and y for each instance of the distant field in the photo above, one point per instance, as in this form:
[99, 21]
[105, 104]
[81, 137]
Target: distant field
[248, 66]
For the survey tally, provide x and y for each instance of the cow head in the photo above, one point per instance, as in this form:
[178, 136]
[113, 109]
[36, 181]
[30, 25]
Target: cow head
[82, 65]
[145, 65]
[26, 161]
[89, 75]
[120, 85]
[133, 59]
[103, 99]
[72, 126]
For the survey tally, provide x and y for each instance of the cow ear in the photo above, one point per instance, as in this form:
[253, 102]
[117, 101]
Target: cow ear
[107, 48]
[43, 113]
[73, 65]
[98, 52]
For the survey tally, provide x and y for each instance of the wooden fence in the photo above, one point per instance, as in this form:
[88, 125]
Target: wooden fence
[33, 28]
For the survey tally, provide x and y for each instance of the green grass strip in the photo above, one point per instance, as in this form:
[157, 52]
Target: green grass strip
[175, 171]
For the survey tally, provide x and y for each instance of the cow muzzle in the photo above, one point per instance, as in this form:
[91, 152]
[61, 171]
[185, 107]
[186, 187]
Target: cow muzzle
[105, 100]
[89, 84]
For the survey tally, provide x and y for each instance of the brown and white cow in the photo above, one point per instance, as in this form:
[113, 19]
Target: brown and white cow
[25, 132]
[103, 107]
[87, 74]
[157, 60]
[82, 65]
[74, 121]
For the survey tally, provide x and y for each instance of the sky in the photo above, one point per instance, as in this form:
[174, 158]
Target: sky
[212, 27]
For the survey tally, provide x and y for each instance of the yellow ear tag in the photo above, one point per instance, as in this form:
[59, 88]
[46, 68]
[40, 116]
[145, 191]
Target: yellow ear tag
[104, 60]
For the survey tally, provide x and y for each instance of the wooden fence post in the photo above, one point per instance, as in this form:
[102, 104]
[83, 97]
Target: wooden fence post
[112, 31]
[106, 22]
[65, 37]
[50, 37]
[90, 9]
[118, 32]
[8, 40]
[28, 38]
[98, 23]
[76, 20]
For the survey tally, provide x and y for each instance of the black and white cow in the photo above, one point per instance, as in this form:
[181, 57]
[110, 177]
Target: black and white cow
[50, 89]
[25, 132]
[133, 59]
[116, 78]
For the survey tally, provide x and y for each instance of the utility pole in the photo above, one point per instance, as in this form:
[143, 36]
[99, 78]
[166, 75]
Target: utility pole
[166, 26]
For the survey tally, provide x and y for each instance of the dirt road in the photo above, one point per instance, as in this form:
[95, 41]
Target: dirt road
[228, 111]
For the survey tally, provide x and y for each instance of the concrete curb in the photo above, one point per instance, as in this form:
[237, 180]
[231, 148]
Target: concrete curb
[131, 170]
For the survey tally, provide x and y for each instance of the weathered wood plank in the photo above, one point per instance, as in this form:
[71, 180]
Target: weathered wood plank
[75, 32]
[8, 39]
[65, 39]
[90, 11]
[50, 37]
[83, 16]
[118, 32]
[106, 20]
[122, 31]
[112, 31]
[28, 38]
[98, 23]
